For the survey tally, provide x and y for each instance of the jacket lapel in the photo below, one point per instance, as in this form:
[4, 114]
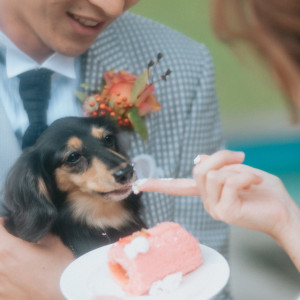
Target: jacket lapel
[105, 54]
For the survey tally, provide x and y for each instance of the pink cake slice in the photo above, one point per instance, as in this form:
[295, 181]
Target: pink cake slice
[147, 256]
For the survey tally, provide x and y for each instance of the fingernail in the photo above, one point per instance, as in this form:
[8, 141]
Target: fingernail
[197, 159]
[136, 184]
[239, 154]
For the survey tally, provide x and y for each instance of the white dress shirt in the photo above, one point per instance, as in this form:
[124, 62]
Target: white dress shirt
[64, 82]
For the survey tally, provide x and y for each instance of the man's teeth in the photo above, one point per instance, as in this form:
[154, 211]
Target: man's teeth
[86, 22]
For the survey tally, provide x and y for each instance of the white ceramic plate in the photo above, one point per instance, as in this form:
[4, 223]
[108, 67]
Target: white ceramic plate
[88, 276]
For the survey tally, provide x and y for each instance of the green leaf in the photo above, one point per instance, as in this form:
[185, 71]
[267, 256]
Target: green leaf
[81, 95]
[86, 85]
[138, 86]
[138, 123]
[101, 86]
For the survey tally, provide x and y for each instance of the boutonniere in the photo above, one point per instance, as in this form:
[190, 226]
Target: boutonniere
[126, 98]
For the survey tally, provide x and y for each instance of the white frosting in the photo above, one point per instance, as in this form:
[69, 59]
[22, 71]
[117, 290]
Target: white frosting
[138, 245]
[166, 285]
[136, 184]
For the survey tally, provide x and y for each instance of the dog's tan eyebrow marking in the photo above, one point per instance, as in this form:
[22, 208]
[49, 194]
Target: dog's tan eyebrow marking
[98, 132]
[74, 142]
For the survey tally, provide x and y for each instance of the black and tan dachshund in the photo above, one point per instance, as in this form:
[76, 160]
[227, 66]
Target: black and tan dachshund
[74, 182]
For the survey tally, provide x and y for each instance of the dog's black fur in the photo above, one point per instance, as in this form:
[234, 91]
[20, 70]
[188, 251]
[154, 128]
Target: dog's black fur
[74, 182]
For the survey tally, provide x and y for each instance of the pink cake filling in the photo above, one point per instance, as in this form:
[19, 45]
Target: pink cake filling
[139, 260]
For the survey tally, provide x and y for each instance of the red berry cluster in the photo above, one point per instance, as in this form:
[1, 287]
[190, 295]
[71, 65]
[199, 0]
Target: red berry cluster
[118, 112]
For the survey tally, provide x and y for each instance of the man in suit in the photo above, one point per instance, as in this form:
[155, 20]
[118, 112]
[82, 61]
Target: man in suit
[79, 40]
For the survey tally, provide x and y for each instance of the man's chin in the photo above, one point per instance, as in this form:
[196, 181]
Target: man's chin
[74, 49]
[73, 53]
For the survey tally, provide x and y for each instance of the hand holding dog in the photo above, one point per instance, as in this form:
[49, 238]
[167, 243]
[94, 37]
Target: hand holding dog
[240, 195]
[31, 270]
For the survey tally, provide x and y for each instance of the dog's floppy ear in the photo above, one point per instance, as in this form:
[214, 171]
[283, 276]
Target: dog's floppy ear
[30, 209]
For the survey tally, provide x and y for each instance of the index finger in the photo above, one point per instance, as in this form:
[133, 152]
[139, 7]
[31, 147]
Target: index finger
[171, 186]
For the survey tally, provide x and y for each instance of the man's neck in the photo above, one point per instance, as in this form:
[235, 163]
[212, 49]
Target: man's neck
[32, 49]
[28, 44]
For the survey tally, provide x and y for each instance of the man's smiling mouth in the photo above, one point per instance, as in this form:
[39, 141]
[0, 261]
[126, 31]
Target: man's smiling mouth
[84, 21]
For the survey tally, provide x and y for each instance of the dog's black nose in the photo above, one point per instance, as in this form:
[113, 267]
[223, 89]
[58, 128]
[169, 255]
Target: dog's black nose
[123, 175]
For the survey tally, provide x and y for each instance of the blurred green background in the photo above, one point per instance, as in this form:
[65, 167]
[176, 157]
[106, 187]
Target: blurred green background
[254, 115]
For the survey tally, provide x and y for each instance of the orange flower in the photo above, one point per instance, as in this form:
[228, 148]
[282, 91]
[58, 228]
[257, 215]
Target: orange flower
[147, 102]
[118, 88]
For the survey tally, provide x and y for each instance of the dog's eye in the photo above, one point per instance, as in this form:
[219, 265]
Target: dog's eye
[109, 140]
[73, 158]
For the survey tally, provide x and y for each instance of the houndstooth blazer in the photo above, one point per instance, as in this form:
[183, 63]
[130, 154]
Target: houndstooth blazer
[188, 124]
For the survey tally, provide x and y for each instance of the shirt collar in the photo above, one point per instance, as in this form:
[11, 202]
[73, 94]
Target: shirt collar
[18, 62]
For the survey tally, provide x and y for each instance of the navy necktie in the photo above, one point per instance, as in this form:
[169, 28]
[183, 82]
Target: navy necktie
[34, 90]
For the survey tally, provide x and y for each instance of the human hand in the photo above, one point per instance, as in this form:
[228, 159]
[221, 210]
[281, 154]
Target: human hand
[241, 195]
[232, 192]
[31, 271]
[173, 186]
[248, 197]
